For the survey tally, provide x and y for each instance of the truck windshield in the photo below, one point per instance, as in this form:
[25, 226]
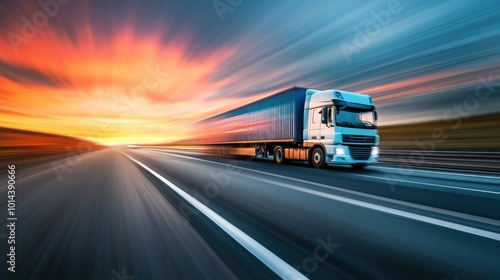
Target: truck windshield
[355, 118]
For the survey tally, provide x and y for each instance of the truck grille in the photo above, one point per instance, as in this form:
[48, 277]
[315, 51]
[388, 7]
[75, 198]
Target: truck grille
[358, 139]
[360, 152]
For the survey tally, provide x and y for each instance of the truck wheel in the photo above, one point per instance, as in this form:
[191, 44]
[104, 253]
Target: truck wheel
[358, 166]
[279, 155]
[318, 158]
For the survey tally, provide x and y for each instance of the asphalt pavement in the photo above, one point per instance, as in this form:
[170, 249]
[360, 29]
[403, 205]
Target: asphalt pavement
[163, 214]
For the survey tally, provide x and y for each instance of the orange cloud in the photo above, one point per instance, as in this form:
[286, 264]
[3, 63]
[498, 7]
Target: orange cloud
[127, 88]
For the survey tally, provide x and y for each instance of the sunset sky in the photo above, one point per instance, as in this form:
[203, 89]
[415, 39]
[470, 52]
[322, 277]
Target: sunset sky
[146, 71]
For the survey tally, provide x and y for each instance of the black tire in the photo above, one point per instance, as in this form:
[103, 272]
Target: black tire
[318, 158]
[279, 155]
[358, 166]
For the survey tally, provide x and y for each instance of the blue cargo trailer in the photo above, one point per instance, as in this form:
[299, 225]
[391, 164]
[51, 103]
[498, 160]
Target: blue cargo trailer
[276, 118]
[321, 127]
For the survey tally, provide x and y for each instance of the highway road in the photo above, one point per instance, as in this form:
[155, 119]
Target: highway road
[163, 214]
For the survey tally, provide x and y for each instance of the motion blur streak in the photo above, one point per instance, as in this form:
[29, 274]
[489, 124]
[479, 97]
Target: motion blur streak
[437, 222]
[276, 264]
[84, 65]
[106, 216]
[113, 217]
[420, 218]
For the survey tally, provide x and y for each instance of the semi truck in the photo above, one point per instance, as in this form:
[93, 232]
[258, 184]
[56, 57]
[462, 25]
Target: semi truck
[322, 127]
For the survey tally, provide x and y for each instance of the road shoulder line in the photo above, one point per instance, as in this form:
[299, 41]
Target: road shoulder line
[276, 264]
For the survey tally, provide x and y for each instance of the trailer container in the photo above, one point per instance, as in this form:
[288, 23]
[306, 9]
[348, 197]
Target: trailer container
[279, 117]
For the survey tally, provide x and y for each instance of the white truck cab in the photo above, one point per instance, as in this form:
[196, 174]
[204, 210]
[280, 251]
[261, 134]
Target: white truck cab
[344, 124]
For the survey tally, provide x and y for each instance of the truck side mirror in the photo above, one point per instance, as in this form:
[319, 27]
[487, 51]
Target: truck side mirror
[324, 115]
[375, 115]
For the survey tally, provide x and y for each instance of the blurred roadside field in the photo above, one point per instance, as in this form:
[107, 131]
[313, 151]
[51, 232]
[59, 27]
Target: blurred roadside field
[24, 148]
[473, 134]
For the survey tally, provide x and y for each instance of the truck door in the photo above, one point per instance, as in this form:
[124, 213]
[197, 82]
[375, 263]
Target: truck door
[315, 124]
[326, 130]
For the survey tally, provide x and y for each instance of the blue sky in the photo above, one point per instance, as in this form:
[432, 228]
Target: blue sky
[418, 59]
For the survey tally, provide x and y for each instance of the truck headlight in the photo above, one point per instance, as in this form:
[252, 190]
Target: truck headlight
[340, 151]
[374, 151]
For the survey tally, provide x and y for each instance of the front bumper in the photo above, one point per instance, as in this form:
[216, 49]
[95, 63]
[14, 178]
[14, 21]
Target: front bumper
[341, 155]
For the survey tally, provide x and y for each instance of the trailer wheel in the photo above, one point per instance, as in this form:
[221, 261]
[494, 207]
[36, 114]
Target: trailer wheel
[279, 155]
[318, 158]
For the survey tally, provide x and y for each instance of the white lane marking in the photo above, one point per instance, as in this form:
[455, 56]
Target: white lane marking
[404, 181]
[438, 172]
[422, 183]
[280, 267]
[455, 173]
[417, 217]
[408, 204]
